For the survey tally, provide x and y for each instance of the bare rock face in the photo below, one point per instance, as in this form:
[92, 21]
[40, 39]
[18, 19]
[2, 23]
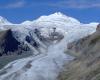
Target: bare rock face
[7, 42]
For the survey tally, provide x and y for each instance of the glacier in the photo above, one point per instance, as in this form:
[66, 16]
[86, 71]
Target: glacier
[48, 64]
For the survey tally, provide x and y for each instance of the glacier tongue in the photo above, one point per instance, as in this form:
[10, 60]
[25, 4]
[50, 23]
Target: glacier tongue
[45, 66]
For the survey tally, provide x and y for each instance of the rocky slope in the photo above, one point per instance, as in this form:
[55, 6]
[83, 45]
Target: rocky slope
[7, 42]
[86, 65]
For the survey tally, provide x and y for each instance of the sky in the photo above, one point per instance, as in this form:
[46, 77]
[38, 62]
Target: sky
[17, 11]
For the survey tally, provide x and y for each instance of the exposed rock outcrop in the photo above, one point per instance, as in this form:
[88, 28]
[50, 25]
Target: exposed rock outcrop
[7, 42]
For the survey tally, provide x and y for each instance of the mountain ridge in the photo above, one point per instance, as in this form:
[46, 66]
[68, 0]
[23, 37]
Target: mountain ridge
[4, 21]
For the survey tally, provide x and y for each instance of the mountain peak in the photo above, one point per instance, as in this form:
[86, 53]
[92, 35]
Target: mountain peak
[4, 21]
[56, 19]
[54, 15]
[1, 17]
[58, 14]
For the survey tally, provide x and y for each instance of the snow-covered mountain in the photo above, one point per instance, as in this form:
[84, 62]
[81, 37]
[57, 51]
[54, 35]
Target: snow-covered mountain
[26, 23]
[52, 34]
[54, 18]
[4, 21]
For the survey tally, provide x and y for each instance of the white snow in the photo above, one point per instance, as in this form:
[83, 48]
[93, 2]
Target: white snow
[47, 65]
[26, 23]
[55, 20]
[4, 21]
